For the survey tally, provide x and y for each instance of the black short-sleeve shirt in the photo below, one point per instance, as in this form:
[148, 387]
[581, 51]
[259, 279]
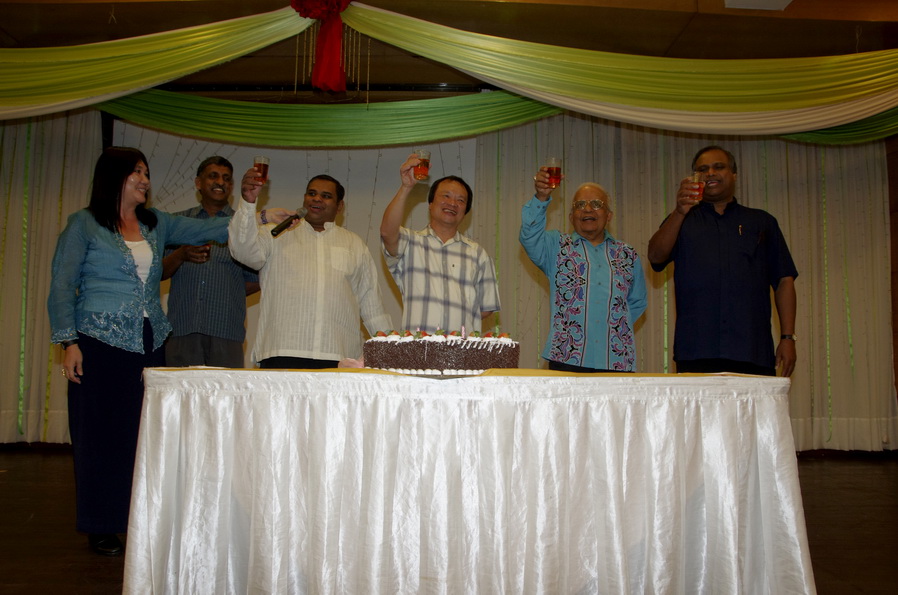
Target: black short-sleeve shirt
[724, 267]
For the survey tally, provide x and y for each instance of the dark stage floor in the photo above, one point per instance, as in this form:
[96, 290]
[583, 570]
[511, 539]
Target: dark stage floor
[850, 503]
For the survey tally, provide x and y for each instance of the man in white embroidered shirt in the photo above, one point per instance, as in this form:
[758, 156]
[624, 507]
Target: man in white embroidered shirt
[317, 280]
[447, 280]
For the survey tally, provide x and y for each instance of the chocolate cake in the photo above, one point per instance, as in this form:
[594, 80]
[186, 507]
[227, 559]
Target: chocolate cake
[440, 354]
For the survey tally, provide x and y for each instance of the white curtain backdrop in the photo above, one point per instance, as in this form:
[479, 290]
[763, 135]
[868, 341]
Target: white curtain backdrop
[831, 202]
[46, 164]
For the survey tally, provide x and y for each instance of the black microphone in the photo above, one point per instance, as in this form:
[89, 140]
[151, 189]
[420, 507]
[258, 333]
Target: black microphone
[300, 213]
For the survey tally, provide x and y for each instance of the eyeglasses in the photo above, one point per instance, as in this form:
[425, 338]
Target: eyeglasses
[595, 204]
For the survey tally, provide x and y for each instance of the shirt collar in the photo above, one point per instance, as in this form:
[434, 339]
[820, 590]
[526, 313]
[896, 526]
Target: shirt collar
[199, 210]
[608, 237]
[458, 237]
[733, 204]
[328, 225]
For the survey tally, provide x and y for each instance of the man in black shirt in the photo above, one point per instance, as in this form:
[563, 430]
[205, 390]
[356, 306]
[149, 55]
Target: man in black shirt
[727, 257]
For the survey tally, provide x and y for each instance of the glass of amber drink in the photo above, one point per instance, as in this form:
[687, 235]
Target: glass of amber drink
[422, 170]
[697, 180]
[553, 166]
[260, 162]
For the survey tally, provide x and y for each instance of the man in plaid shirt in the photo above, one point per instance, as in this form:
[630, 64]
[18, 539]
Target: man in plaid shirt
[447, 280]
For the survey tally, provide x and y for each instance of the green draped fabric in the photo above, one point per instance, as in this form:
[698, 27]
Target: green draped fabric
[382, 124]
[45, 80]
[869, 129]
[852, 97]
[356, 125]
[639, 81]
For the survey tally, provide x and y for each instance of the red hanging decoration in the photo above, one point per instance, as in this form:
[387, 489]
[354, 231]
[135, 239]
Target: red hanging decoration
[327, 73]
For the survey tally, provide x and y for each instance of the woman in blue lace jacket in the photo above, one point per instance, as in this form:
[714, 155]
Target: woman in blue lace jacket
[105, 310]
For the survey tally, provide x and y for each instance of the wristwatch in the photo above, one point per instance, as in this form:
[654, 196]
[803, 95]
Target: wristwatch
[793, 337]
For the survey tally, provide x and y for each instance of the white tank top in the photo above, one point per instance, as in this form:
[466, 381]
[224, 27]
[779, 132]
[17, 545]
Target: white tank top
[143, 259]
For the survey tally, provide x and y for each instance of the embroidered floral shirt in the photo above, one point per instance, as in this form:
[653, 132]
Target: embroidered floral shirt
[597, 293]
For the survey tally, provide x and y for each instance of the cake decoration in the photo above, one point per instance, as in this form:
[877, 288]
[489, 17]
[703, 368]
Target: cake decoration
[441, 353]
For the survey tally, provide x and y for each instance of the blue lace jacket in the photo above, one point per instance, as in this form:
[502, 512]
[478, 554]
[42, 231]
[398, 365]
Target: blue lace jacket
[95, 289]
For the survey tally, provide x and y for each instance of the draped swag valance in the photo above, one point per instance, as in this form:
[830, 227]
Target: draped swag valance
[836, 99]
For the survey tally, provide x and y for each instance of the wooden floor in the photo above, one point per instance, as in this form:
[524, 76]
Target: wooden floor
[850, 503]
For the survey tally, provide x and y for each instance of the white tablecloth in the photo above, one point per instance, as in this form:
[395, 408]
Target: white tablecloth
[251, 481]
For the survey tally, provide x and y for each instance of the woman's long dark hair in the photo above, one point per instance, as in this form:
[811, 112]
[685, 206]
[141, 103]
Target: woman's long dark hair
[112, 169]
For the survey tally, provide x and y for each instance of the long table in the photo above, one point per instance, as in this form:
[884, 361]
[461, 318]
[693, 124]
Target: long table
[523, 481]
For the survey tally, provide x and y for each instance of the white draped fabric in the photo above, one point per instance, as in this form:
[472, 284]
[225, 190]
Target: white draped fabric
[355, 482]
[28, 111]
[705, 122]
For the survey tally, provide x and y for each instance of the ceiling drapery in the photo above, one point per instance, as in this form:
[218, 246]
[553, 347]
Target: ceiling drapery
[772, 96]
[857, 94]
[354, 125]
[37, 81]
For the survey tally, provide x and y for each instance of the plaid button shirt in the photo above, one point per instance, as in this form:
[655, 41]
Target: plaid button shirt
[443, 285]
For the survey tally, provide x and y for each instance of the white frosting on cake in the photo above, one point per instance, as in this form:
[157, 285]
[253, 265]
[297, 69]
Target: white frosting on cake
[473, 348]
[410, 372]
